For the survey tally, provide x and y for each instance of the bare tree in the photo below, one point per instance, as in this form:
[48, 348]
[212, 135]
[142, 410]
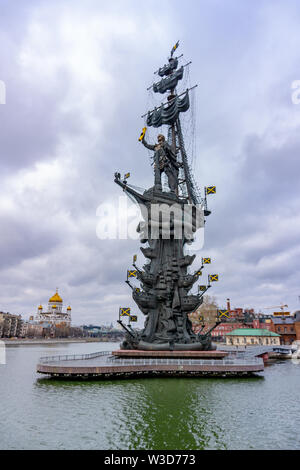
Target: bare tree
[206, 313]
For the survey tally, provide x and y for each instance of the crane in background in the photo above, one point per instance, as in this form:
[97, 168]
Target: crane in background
[282, 307]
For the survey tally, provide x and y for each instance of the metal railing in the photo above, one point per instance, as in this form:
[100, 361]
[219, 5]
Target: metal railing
[115, 360]
[177, 361]
[256, 350]
[72, 357]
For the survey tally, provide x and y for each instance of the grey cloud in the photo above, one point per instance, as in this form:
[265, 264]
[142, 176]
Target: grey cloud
[242, 87]
[20, 241]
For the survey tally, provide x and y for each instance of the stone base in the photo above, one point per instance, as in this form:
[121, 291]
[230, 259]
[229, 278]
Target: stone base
[179, 354]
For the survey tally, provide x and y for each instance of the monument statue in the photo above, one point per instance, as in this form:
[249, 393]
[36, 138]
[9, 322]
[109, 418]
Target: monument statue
[170, 220]
[164, 160]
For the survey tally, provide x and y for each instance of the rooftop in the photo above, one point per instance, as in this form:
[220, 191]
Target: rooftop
[55, 298]
[283, 320]
[251, 332]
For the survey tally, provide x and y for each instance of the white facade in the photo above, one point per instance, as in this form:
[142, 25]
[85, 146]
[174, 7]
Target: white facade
[54, 313]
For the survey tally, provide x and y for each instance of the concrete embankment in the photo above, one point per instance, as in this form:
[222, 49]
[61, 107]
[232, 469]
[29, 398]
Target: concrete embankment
[29, 342]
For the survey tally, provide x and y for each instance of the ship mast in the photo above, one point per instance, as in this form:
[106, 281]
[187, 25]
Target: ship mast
[172, 95]
[169, 113]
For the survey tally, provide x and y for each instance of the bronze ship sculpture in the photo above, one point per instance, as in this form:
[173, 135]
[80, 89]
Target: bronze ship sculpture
[171, 215]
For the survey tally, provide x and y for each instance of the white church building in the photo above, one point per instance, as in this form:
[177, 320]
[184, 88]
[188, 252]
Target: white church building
[54, 314]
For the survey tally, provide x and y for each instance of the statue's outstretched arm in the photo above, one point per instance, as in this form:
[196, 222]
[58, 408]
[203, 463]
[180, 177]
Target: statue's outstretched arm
[148, 146]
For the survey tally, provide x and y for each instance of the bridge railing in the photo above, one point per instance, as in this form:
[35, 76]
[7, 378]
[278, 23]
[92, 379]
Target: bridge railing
[72, 357]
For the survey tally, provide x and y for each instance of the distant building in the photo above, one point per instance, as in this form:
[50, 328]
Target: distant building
[297, 324]
[284, 324]
[206, 316]
[220, 332]
[54, 315]
[252, 336]
[288, 327]
[11, 326]
[92, 330]
[33, 330]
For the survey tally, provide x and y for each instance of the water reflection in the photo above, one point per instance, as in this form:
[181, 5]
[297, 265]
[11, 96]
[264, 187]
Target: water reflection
[169, 413]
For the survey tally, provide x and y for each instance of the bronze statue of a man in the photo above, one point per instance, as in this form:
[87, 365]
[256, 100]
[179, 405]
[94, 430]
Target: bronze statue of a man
[164, 160]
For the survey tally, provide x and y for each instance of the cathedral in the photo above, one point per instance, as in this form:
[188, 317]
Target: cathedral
[54, 314]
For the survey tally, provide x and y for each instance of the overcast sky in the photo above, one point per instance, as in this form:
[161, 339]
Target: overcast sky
[76, 75]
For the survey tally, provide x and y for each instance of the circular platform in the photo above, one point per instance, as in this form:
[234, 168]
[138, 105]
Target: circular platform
[110, 365]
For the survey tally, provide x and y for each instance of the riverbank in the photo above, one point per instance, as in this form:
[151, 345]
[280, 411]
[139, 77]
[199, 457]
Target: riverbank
[24, 341]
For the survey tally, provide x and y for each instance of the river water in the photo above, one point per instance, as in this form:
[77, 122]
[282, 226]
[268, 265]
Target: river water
[152, 414]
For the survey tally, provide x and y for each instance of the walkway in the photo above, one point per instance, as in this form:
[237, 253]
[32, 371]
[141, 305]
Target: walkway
[105, 365]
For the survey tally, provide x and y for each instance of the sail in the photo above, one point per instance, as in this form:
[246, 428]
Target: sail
[168, 83]
[169, 113]
[168, 69]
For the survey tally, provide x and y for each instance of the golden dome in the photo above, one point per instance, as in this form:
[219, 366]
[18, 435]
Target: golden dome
[40, 307]
[53, 306]
[69, 308]
[55, 298]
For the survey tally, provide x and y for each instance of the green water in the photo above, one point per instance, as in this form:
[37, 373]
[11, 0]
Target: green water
[164, 413]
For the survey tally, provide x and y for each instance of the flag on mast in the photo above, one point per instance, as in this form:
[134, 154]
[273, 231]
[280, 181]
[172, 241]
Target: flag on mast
[174, 48]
